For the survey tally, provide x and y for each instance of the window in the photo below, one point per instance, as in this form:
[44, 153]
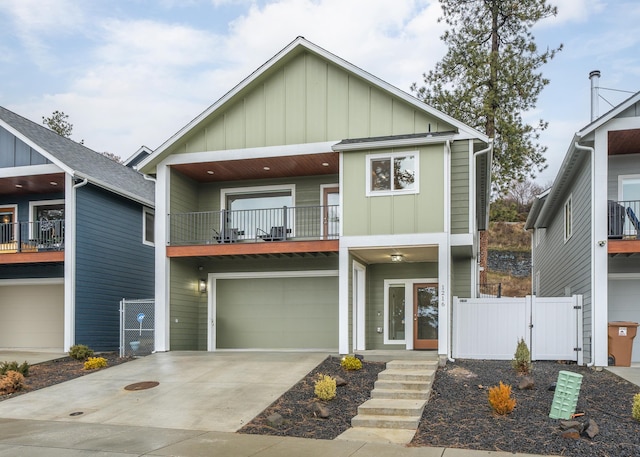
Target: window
[396, 312]
[7, 223]
[47, 222]
[629, 200]
[389, 174]
[568, 219]
[148, 227]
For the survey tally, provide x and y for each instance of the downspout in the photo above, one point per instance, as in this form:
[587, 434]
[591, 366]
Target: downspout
[589, 149]
[447, 147]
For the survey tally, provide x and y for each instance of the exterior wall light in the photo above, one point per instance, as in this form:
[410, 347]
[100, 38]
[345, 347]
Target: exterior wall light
[202, 285]
[396, 257]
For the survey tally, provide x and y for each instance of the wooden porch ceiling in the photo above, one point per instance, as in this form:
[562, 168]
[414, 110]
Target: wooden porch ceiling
[40, 184]
[624, 142]
[321, 248]
[623, 247]
[262, 168]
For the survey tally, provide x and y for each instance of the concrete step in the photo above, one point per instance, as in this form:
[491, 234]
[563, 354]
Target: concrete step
[402, 385]
[391, 407]
[401, 394]
[413, 364]
[406, 375]
[378, 435]
[396, 422]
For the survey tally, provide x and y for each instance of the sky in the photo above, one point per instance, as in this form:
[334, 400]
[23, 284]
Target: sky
[133, 72]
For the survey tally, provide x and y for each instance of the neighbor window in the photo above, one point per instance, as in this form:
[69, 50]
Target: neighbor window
[392, 173]
[568, 218]
[148, 229]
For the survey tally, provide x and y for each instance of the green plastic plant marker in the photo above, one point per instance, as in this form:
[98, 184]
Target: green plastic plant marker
[565, 398]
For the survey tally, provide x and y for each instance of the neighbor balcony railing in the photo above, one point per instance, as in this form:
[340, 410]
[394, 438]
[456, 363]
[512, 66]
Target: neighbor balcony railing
[624, 222]
[32, 236]
[269, 224]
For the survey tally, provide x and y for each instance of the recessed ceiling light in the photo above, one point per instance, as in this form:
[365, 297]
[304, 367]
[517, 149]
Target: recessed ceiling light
[396, 257]
[19, 186]
[53, 183]
[266, 168]
[325, 164]
[210, 172]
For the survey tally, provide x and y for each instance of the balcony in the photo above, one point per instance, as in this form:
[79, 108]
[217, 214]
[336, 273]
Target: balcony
[624, 227]
[254, 231]
[26, 242]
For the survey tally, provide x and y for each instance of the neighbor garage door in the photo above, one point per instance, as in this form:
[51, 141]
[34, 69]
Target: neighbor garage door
[277, 313]
[32, 317]
[624, 305]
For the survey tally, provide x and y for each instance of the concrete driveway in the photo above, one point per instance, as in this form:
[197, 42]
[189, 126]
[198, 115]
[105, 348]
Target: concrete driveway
[218, 391]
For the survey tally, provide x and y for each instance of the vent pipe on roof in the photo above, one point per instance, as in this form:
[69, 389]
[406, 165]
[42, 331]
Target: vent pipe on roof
[594, 76]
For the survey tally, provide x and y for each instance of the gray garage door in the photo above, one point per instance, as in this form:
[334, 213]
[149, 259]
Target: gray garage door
[277, 313]
[624, 305]
[32, 317]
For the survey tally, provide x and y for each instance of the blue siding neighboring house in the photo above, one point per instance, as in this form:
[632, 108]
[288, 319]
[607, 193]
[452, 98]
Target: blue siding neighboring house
[72, 240]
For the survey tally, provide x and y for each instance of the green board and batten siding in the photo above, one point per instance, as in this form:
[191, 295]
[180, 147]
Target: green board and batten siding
[305, 99]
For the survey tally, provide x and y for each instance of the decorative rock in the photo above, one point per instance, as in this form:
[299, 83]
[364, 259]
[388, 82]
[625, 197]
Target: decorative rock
[552, 387]
[572, 433]
[340, 381]
[275, 420]
[592, 429]
[566, 425]
[320, 410]
[359, 357]
[526, 383]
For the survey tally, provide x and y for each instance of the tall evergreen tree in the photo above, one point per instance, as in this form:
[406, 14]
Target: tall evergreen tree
[490, 77]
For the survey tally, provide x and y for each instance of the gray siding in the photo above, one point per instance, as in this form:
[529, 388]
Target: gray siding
[627, 164]
[460, 187]
[567, 266]
[111, 264]
[376, 274]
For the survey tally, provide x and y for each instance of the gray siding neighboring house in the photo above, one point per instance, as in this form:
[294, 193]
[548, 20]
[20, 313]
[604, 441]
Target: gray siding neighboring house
[71, 226]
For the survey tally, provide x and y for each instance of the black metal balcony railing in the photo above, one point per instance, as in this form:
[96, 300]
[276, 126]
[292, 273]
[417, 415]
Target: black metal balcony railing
[270, 224]
[32, 236]
[488, 290]
[624, 222]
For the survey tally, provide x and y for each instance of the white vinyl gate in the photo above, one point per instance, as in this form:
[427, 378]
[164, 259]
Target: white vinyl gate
[490, 328]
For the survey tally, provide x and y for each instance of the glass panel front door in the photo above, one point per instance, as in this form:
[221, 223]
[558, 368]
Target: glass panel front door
[331, 213]
[396, 312]
[631, 198]
[425, 316]
[7, 222]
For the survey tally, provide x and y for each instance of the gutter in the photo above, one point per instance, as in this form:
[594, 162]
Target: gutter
[591, 151]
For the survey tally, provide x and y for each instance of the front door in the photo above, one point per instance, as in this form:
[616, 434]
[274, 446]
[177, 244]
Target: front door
[425, 316]
[330, 212]
[7, 223]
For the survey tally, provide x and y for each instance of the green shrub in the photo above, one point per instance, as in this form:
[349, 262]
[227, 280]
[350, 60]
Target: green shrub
[522, 358]
[80, 352]
[11, 382]
[325, 387]
[500, 399]
[93, 363]
[635, 412]
[351, 362]
[23, 368]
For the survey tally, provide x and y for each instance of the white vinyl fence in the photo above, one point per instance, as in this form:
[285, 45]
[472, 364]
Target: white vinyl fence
[490, 328]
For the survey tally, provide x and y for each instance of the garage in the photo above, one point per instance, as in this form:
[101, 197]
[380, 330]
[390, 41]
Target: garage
[32, 317]
[277, 313]
[624, 305]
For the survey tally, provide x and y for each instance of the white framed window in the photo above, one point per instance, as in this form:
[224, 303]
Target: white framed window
[568, 218]
[46, 220]
[392, 174]
[395, 311]
[629, 201]
[148, 227]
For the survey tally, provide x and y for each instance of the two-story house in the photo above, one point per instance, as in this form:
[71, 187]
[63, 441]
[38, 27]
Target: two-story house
[586, 235]
[76, 236]
[315, 206]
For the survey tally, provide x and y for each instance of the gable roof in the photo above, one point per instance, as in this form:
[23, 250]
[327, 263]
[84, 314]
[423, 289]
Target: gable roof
[300, 44]
[78, 160]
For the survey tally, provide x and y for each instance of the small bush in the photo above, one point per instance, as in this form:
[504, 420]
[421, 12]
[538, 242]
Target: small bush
[12, 382]
[23, 368]
[635, 412]
[351, 362]
[325, 387]
[522, 358]
[80, 352]
[500, 399]
[93, 363]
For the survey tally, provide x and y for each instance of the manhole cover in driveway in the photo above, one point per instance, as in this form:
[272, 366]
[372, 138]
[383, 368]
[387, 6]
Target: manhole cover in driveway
[142, 385]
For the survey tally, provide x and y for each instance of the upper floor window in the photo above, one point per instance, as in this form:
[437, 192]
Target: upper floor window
[389, 174]
[148, 229]
[568, 218]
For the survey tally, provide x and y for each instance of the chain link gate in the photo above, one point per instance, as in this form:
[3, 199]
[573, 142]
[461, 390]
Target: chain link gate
[137, 324]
